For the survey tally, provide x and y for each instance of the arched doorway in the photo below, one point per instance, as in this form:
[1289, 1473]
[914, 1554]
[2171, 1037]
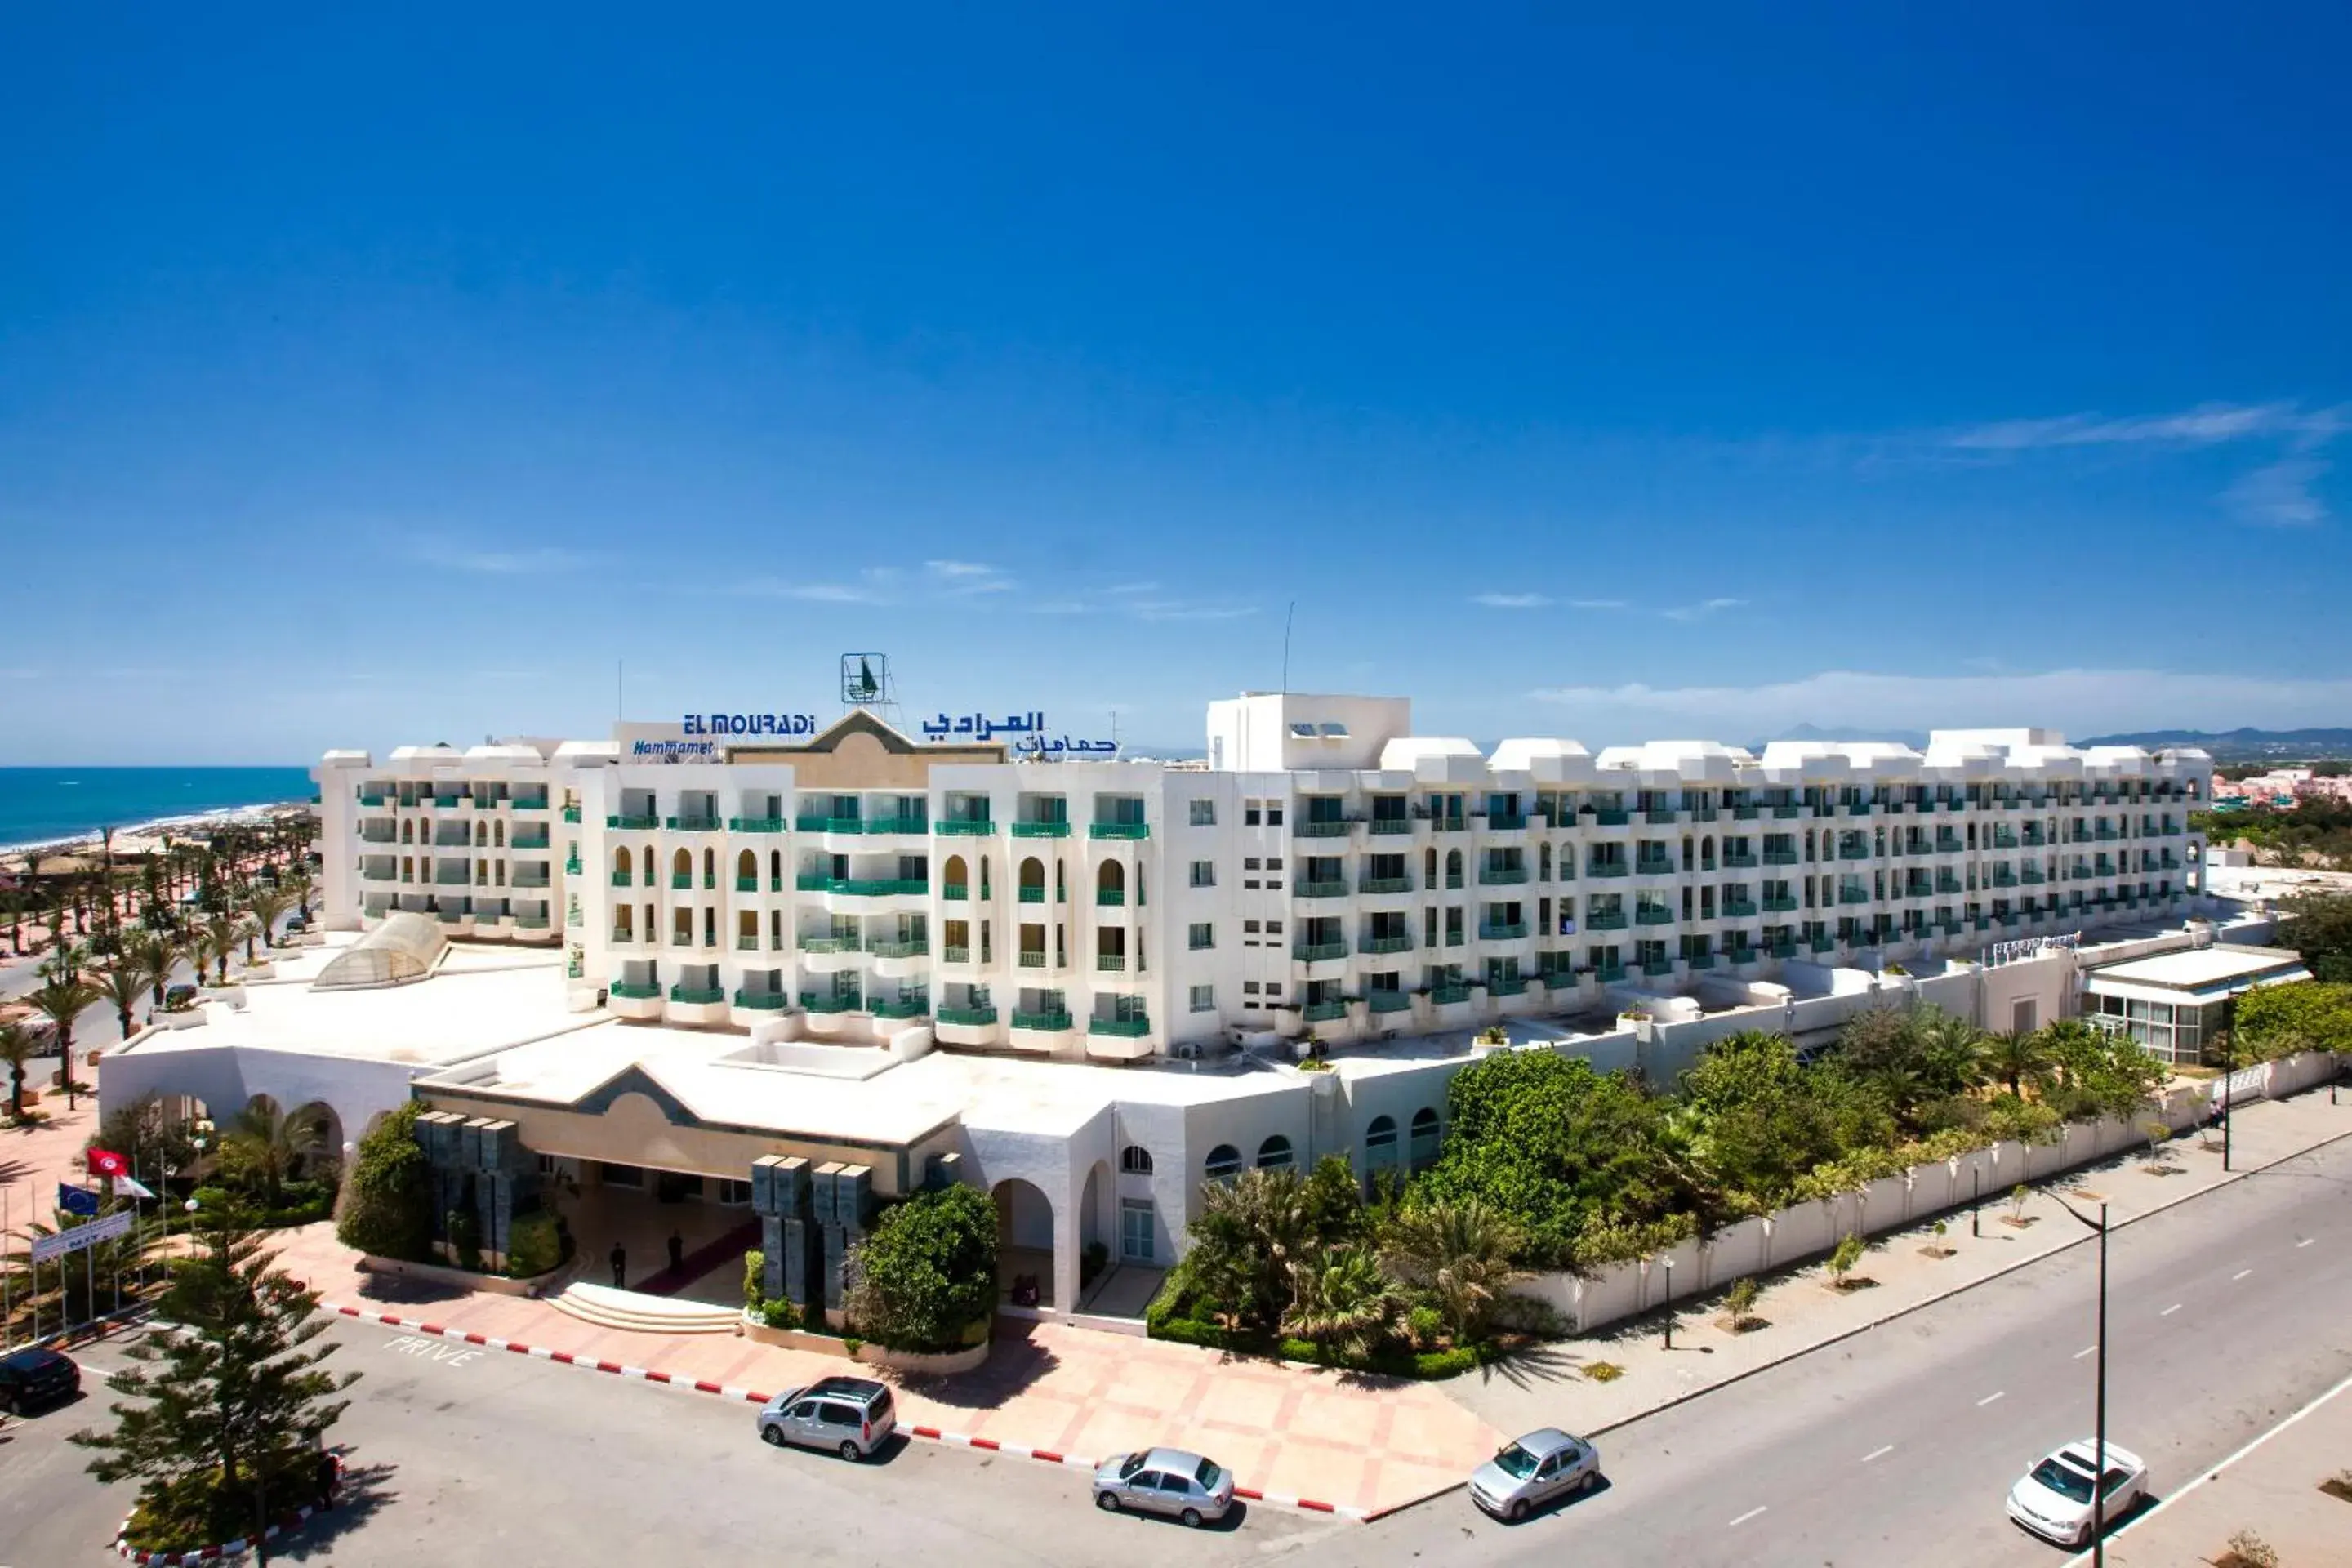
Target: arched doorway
[1024, 1242]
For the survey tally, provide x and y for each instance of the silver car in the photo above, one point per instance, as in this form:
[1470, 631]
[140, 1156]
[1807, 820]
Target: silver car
[1526, 1473]
[851, 1415]
[1166, 1481]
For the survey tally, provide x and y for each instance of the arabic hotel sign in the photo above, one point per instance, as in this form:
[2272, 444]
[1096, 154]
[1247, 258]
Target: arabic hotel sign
[1026, 731]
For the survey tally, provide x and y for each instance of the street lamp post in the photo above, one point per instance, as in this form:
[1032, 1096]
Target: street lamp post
[2099, 1440]
[1670, 1303]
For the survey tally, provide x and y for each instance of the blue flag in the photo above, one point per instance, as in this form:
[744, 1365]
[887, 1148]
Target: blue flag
[75, 1200]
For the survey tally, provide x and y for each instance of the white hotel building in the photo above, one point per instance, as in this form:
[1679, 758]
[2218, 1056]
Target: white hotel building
[1086, 982]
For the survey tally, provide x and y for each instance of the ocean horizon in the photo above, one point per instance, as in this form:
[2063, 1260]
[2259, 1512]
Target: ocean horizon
[45, 806]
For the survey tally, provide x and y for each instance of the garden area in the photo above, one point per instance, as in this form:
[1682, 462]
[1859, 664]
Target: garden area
[1550, 1166]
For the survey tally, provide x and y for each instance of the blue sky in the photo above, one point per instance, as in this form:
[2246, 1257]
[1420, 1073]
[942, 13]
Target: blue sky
[365, 381]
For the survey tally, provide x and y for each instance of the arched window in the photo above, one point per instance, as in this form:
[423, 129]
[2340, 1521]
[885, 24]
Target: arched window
[481, 836]
[1453, 866]
[1110, 883]
[747, 867]
[709, 867]
[1424, 1138]
[651, 865]
[954, 874]
[621, 861]
[1032, 877]
[681, 865]
[1543, 862]
[407, 836]
[1135, 1159]
[1274, 1155]
[498, 835]
[1429, 866]
[1380, 1141]
[1225, 1162]
[775, 869]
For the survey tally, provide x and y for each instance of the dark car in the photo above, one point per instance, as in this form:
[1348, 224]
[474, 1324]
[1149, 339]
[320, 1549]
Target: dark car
[32, 1377]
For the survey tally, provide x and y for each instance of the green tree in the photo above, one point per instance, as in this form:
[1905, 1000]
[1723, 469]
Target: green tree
[150, 1135]
[62, 999]
[386, 1206]
[1459, 1255]
[264, 908]
[1763, 1121]
[2096, 1073]
[215, 945]
[124, 984]
[2319, 926]
[18, 1045]
[1249, 1237]
[2015, 1059]
[928, 1270]
[1346, 1303]
[230, 1404]
[265, 1147]
[2303, 1015]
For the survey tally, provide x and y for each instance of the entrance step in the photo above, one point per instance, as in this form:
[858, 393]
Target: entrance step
[639, 1313]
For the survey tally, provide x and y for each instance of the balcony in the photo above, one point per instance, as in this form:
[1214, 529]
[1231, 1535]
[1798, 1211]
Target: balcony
[831, 944]
[1119, 1028]
[1781, 903]
[898, 824]
[916, 949]
[1041, 1020]
[761, 1001]
[690, 824]
[1119, 830]
[1337, 890]
[1508, 985]
[1318, 951]
[1380, 944]
[1033, 958]
[1654, 868]
[1324, 1012]
[1448, 995]
[955, 954]
[1854, 895]
[1110, 963]
[831, 1002]
[630, 992]
[814, 824]
[529, 840]
[1110, 897]
[1786, 813]
[1779, 857]
[1611, 818]
[863, 887]
[1502, 876]
[1388, 1001]
[448, 802]
[623, 933]
[1032, 895]
[373, 802]
[457, 878]
[904, 1007]
[756, 824]
[1823, 944]
[1699, 960]
[1739, 909]
[1390, 824]
[371, 876]
[1333, 827]
[1382, 885]
[1612, 921]
[698, 995]
[955, 892]
[633, 823]
[966, 828]
[970, 1017]
[1660, 815]
[1041, 830]
[1505, 821]
[1739, 859]
[571, 814]
[681, 880]
[1653, 915]
[524, 877]
[1744, 813]
[1489, 932]
[1609, 868]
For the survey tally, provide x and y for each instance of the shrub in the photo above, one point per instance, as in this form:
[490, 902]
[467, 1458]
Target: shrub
[1426, 1324]
[387, 1201]
[1841, 1261]
[1740, 1302]
[534, 1245]
[2248, 1550]
[779, 1313]
[465, 1234]
[1603, 1371]
[755, 1279]
[927, 1268]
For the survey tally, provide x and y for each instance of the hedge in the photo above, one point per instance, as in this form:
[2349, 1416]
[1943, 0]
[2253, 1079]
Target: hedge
[1390, 1363]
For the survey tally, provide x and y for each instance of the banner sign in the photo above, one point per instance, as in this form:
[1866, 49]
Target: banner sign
[46, 1247]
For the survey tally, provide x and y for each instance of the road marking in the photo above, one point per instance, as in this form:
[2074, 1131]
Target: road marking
[1989, 1398]
[1744, 1518]
[2086, 1350]
[2240, 1274]
[426, 1350]
[2170, 1310]
[2307, 1241]
[1878, 1453]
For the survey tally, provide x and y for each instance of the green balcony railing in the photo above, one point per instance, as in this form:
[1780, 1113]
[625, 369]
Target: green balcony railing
[1739, 859]
[1781, 903]
[681, 880]
[1110, 897]
[747, 884]
[1033, 958]
[1823, 944]
[1335, 827]
[529, 840]
[1653, 915]
[831, 1002]
[1131, 1028]
[1041, 830]
[1502, 931]
[1388, 1001]
[904, 1007]
[1612, 921]
[700, 995]
[1698, 961]
[1501, 876]
[448, 802]
[1033, 895]
[831, 944]
[372, 801]
[1854, 895]
[1446, 995]
[956, 954]
[955, 892]
[1324, 1012]
[1110, 962]
[1127, 830]
[1609, 868]
[1384, 885]
[812, 823]
[863, 887]
[1739, 909]
[692, 823]
[572, 814]
[1333, 889]
[1506, 821]
[756, 824]
[1779, 857]
[1380, 944]
[899, 824]
[1611, 818]
[912, 949]
[1652, 867]
[1661, 813]
[961, 827]
[1508, 985]
[633, 823]
[1041, 1020]
[761, 1001]
[1390, 824]
[630, 992]
[1318, 951]
[970, 1017]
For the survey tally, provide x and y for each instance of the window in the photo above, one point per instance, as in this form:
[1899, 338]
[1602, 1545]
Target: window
[734, 1193]
[1250, 815]
[1205, 998]
[1380, 1141]
[1273, 815]
[1204, 873]
[1204, 814]
[1249, 987]
[1273, 987]
[1135, 1159]
[1250, 863]
[1273, 928]
[1202, 934]
[1424, 1138]
[1249, 928]
[1273, 863]
[1225, 1162]
[1274, 1155]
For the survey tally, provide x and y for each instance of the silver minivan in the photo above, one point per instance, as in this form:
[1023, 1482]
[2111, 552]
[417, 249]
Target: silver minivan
[851, 1415]
[1165, 1481]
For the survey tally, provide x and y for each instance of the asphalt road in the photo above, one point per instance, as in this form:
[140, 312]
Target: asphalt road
[1894, 1448]
[1899, 1446]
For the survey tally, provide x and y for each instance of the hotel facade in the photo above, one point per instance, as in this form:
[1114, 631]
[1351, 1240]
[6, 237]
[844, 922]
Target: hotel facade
[903, 957]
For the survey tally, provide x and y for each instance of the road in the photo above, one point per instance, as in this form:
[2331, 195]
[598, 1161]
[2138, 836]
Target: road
[1894, 1448]
[1898, 1447]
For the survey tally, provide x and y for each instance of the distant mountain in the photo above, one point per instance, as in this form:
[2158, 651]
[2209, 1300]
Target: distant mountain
[2238, 746]
[1915, 739]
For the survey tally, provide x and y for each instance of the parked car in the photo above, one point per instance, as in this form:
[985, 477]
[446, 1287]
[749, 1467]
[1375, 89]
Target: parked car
[32, 1377]
[1166, 1481]
[1529, 1471]
[2053, 1499]
[851, 1415]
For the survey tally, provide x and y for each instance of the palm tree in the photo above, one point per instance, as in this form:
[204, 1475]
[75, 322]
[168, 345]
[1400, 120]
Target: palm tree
[2015, 1059]
[61, 999]
[273, 1144]
[1346, 1302]
[1257, 1231]
[266, 906]
[157, 953]
[124, 983]
[1459, 1253]
[18, 1045]
[217, 945]
[301, 884]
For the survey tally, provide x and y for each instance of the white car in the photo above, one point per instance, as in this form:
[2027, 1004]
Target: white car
[2053, 1499]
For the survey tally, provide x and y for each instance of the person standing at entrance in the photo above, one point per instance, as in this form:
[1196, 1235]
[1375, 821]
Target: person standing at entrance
[620, 1265]
[677, 1253]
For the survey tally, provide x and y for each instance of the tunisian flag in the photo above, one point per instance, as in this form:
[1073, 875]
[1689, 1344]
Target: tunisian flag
[104, 1162]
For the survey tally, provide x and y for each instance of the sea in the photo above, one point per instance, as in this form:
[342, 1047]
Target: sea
[45, 806]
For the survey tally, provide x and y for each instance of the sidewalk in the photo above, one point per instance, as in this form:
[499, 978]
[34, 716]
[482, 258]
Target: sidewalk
[2273, 1491]
[1803, 1312]
[1355, 1446]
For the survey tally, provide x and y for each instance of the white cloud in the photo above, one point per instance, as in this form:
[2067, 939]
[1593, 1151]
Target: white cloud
[2203, 425]
[1132, 588]
[2079, 701]
[2279, 495]
[961, 569]
[454, 557]
[1701, 610]
[869, 591]
[1166, 611]
[1512, 601]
